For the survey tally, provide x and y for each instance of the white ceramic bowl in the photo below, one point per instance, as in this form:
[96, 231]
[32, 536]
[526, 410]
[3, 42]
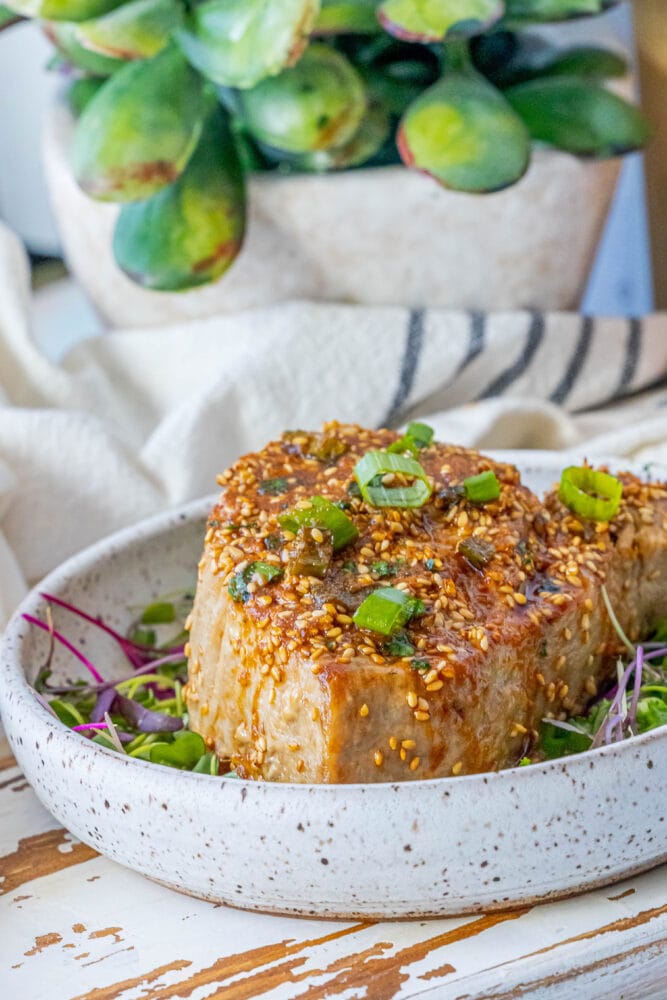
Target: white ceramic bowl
[419, 848]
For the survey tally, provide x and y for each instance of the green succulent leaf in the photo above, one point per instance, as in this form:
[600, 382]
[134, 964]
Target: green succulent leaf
[190, 233]
[364, 144]
[343, 16]
[80, 92]
[432, 20]
[138, 132]
[315, 105]
[63, 10]
[64, 36]
[538, 11]
[237, 43]
[8, 17]
[137, 30]
[586, 61]
[462, 132]
[578, 116]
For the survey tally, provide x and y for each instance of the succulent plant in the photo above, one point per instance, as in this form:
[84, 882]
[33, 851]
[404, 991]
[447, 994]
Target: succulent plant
[178, 101]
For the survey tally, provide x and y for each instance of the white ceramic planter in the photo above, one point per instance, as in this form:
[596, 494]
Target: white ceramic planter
[378, 237]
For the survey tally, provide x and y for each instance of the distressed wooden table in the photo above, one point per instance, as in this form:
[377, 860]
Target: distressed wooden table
[75, 925]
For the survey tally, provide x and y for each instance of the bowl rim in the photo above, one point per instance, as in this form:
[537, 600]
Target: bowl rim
[12, 672]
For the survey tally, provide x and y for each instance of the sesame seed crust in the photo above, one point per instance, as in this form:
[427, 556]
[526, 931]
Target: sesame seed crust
[517, 618]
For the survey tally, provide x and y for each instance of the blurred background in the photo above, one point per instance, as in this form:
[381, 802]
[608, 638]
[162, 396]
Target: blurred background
[620, 283]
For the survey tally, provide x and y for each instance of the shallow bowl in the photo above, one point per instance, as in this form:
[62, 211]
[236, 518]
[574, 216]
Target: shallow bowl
[437, 847]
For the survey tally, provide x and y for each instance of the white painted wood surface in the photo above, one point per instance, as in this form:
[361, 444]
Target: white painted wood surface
[75, 926]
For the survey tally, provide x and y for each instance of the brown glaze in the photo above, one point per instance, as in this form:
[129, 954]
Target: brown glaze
[289, 688]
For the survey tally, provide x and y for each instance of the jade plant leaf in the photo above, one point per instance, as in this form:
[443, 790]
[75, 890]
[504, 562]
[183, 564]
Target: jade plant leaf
[578, 116]
[189, 233]
[587, 61]
[8, 17]
[63, 10]
[237, 43]
[432, 20]
[462, 132]
[317, 104]
[552, 10]
[138, 132]
[64, 36]
[364, 144]
[137, 30]
[80, 92]
[342, 16]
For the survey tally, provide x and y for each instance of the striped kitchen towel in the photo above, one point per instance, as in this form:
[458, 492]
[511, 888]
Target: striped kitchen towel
[135, 421]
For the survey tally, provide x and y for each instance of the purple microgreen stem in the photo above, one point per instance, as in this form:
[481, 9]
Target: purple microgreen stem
[68, 645]
[136, 652]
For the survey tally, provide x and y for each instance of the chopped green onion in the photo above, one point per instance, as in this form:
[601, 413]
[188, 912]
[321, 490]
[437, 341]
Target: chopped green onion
[321, 513]
[273, 487]
[482, 488]
[589, 493]
[238, 585]
[386, 610]
[416, 437]
[375, 465]
[418, 664]
[160, 613]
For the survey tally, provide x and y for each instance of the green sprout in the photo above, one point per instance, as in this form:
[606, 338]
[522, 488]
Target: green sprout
[179, 101]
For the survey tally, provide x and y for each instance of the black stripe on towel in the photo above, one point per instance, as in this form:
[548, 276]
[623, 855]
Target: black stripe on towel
[503, 381]
[576, 363]
[476, 339]
[633, 347]
[413, 346]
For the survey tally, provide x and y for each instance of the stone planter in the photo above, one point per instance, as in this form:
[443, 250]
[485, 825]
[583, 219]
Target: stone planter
[378, 237]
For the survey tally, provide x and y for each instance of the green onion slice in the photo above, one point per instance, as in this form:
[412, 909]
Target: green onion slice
[590, 494]
[482, 488]
[238, 585]
[321, 513]
[416, 437]
[386, 610]
[370, 470]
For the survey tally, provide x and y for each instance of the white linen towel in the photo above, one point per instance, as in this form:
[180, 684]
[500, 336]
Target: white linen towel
[133, 422]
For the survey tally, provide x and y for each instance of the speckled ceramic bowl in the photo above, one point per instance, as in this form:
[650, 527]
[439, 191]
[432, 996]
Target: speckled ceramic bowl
[420, 848]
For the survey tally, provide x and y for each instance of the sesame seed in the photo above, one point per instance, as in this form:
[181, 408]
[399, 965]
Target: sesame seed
[414, 763]
[393, 743]
[378, 758]
[458, 767]
[411, 699]
[363, 711]
[421, 716]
